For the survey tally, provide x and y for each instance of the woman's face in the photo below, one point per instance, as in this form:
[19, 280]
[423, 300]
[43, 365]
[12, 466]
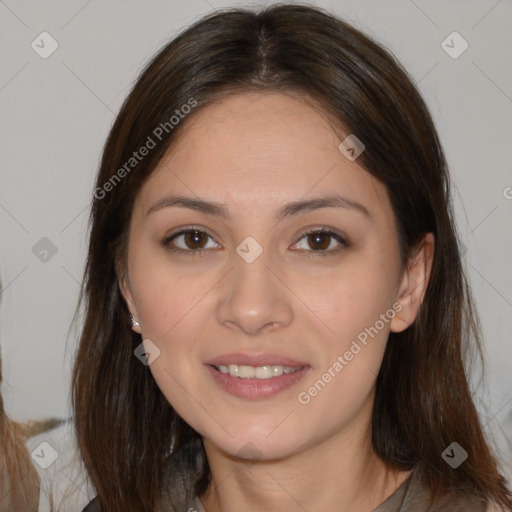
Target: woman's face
[299, 321]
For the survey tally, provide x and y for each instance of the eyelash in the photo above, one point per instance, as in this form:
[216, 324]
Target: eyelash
[198, 252]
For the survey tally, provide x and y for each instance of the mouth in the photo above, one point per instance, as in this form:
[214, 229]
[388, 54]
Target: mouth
[255, 376]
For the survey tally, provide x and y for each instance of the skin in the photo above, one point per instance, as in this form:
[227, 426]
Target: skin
[253, 152]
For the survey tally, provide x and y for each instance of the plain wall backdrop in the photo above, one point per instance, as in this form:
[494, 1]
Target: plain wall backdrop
[55, 113]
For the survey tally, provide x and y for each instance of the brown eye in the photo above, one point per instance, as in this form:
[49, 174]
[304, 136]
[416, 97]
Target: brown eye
[195, 239]
[188, 240]
[321, 241]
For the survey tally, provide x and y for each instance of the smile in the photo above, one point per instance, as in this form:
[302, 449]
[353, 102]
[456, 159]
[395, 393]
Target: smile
[258, 378]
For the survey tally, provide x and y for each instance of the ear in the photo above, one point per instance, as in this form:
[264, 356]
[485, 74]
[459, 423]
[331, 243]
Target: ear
[127, 293]
[413, 284]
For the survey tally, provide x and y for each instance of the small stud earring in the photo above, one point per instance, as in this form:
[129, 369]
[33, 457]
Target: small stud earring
[134, 322]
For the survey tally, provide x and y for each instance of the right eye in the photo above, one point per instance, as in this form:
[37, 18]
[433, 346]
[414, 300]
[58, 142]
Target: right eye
[188, 240]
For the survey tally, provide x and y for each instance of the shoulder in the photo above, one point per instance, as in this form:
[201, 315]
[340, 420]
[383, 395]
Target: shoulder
[93, 506]
[419, 497]
[181, 472]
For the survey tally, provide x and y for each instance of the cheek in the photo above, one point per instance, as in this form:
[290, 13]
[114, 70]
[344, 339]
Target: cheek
[165, 293]
[356, 306]
[351, 298]
[174, 321]
[358, 311]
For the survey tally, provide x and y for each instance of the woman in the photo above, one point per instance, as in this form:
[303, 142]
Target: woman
[272, 214]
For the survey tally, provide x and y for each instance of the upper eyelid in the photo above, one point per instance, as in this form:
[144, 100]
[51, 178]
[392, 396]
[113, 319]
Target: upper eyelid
[186, 229]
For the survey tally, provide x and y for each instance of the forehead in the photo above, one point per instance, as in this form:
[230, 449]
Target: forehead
[261, 149]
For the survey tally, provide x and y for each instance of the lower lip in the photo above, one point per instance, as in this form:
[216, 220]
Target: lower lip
[256, 388]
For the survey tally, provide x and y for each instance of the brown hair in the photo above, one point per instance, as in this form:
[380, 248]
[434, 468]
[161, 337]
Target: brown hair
[19, 481]
[423, 402]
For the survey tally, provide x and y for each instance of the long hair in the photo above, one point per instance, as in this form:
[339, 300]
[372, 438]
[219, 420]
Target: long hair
[423, 400]
[19, 481]
[20, 484]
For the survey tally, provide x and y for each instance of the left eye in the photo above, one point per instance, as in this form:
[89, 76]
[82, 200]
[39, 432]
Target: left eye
[321, 240]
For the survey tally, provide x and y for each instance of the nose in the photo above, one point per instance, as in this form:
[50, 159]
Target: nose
[254, 297]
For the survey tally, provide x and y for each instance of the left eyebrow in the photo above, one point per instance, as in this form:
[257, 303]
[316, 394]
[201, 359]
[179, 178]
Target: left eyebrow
[331, 201]
[294, 208]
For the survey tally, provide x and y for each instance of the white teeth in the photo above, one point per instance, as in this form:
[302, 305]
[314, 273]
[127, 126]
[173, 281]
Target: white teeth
[245, 372]
[277, 370]
[263, 372]
[258, 372]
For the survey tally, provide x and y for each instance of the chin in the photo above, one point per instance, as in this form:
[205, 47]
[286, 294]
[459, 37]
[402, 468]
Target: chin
[257, 450]
[251, 446]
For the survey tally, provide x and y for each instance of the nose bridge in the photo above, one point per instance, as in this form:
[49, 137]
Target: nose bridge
[251, 268]
[252, 296]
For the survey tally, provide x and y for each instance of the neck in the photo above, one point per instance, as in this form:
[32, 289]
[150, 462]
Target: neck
[337, 475]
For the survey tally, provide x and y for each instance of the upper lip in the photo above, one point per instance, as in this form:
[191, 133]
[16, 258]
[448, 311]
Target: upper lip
[259, 359]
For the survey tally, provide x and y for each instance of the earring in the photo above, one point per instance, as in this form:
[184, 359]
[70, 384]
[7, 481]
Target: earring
[134, 322]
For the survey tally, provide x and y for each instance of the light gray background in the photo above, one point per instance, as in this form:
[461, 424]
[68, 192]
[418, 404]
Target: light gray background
[55, 114]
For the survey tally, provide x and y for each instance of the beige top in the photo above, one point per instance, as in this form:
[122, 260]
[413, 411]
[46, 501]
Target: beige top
[409, 497]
